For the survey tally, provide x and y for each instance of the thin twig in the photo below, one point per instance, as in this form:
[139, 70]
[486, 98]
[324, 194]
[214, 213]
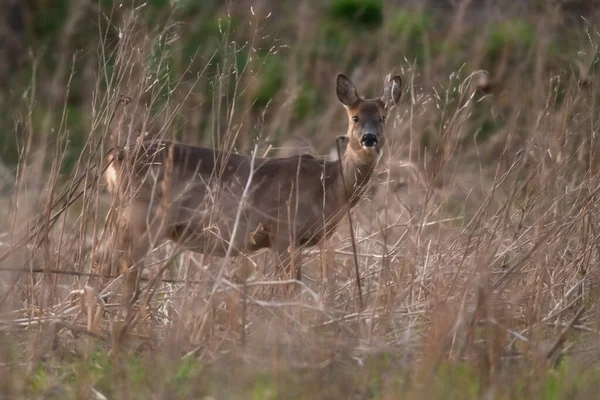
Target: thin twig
[563, 335]
[354, 251]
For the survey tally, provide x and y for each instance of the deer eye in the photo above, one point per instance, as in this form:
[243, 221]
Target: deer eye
[383, 118]
[355, 119]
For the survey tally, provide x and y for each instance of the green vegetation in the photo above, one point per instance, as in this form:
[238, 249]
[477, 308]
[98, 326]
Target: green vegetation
[193, 40]
[272, 79]
[514, 36]
[412, 24]
[145, 377]
[358, 14]
[306, 101]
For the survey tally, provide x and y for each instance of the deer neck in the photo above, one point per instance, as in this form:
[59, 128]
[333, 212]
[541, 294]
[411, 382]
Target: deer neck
[357, 169]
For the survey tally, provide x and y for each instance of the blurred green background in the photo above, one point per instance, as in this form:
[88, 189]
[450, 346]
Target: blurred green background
[57, 55]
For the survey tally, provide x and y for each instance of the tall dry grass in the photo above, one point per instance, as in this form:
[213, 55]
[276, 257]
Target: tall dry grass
[470, 253]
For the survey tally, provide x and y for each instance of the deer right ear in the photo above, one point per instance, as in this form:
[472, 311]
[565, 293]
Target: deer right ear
[392, 92]
[346, 91]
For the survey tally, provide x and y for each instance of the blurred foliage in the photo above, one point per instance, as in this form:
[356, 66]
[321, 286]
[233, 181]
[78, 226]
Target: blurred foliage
[412, 24]
[513, 35]
[209, 40]
[308, 97]
[140, 376]
[50, 17]
[358, 13]
[272, 79]
[414, 30]
[333, 41]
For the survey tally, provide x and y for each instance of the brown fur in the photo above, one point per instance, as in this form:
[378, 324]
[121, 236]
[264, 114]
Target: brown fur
[291, 203]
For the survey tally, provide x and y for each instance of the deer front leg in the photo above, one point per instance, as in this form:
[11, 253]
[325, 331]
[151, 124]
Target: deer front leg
[140, 231]
[288, 266]
[289, 261]
[130, 252]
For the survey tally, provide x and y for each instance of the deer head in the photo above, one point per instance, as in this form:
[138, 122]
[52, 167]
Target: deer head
[367, 117]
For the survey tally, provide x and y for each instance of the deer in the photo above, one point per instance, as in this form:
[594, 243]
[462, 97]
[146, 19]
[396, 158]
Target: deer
[221, 203]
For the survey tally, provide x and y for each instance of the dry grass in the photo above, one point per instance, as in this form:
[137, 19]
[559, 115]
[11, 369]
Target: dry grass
[478, 259]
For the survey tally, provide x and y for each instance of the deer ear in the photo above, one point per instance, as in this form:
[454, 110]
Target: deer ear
[392, 92]
[346, 91]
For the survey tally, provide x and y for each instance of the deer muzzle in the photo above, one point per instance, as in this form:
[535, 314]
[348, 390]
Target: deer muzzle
[368, 140]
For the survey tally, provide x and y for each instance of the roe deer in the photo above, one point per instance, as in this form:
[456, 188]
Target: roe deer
[191, 195]
[295, 146]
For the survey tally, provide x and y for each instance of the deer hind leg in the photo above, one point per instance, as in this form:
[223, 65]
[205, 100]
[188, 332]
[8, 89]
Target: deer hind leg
[289, 262]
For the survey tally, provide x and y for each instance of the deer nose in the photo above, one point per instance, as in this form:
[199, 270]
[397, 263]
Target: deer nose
[368, 140]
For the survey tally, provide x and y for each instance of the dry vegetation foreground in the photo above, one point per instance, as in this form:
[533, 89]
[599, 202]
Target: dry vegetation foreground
[478, 245]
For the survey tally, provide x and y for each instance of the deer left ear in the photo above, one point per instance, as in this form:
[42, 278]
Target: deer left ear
[392, 92]
[346, 91]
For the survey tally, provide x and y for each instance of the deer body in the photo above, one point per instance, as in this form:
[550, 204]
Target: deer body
[191, 195]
